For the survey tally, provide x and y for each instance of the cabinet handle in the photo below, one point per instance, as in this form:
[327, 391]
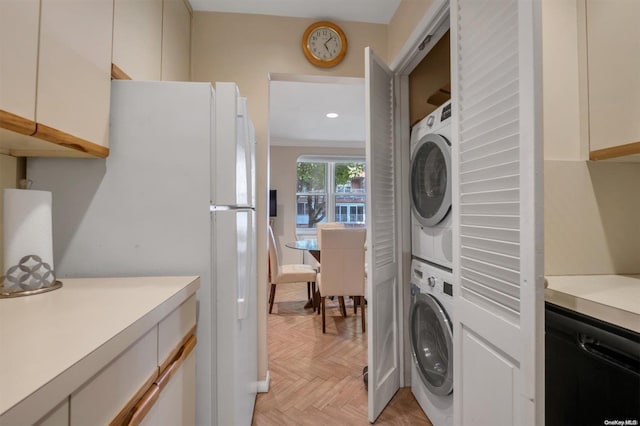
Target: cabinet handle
[127, 411]
[182, 354]
[150, 397]
[144, 405]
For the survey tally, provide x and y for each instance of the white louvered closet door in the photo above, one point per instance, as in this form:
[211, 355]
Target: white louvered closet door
[497, 211]
[382, 252]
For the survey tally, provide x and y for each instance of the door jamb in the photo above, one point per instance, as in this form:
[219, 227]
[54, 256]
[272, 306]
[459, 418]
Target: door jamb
[424, 37]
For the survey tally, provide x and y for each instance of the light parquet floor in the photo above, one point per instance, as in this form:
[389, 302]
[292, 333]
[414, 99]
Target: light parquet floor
[316, 379]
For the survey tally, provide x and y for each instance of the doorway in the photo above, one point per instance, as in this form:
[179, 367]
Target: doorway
[302, 360]
[315, 374]
[301, 136]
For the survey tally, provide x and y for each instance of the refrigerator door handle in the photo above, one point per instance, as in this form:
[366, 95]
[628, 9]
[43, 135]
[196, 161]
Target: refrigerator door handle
[243, 307]
[215, 208]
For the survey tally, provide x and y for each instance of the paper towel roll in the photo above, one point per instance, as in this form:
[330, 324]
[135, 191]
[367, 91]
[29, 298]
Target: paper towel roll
[28, 240]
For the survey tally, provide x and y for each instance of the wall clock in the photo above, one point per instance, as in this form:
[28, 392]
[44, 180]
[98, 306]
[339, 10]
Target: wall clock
[324, 44]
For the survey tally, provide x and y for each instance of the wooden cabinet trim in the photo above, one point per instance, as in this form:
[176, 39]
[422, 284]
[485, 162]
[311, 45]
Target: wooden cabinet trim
[174, 352]
[69, 141]
[144, 405]
[16, 123]
[118, 74]
[615, 151]
[182, 354]
[142, 402]
[124, 415]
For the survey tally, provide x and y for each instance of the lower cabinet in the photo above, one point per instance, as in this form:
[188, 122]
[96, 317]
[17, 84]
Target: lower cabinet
[101, 399]
[151, 382]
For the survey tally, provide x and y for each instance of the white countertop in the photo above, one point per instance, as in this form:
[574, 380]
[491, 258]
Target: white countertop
[63, 337]
[611, 298]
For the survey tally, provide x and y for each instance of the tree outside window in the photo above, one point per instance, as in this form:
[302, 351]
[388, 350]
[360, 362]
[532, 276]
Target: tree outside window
[311, 192]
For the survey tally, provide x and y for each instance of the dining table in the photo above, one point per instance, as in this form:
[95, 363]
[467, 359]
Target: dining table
[309, 244]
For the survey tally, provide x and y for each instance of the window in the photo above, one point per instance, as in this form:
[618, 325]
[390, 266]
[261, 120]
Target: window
[330, 189]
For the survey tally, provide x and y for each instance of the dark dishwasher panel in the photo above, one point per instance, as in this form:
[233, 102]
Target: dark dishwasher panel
[592, 371]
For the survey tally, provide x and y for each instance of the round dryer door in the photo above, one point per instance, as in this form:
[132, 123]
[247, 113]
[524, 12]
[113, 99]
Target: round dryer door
[431, 179]
[432, 344]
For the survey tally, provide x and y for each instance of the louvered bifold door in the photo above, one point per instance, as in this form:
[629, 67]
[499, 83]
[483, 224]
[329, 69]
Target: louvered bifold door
[382, 251]
[497, 211]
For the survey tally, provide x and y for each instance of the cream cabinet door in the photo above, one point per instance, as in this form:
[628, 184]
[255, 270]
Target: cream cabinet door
[176, 41]
[101, 399]
[137, 38]
[613, 46]
[19, 61]
[59, 416]
[74, 71]
[176, 403]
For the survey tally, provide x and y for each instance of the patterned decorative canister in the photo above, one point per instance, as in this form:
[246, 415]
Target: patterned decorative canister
[28, 244]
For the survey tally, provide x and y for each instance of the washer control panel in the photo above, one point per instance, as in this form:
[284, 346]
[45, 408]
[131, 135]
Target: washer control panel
[431, 281]
[431, 278]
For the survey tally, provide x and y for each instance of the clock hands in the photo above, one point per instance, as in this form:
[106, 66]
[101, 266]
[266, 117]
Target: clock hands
[328, 40]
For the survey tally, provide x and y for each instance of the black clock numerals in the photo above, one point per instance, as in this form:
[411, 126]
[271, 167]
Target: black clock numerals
[324, 44]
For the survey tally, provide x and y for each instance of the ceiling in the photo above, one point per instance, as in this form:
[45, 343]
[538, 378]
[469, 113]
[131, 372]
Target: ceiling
[372, 11]
[297, 113]
[297, 109]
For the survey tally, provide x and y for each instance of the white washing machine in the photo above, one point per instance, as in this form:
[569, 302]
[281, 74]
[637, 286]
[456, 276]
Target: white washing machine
[431, 337]
[431, 188]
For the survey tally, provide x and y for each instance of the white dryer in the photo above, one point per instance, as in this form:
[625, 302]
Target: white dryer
[431, 188]
[431, 337]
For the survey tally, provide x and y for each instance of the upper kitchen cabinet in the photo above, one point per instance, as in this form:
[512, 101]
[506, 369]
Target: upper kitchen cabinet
[613, 43]
[151, 40]
[18, 64]
[137, 39]
[74, 73]
[176, 40]
[55, 74]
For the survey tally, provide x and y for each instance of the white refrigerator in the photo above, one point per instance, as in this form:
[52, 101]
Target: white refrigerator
[174, 197]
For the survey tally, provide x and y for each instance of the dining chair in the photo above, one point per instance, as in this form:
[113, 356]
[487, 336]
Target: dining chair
[319, 227]
[327, 225]
[342, 272]
[288, 273]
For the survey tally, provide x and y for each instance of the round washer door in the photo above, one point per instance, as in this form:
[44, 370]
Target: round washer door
[432, 344]
[431, 179]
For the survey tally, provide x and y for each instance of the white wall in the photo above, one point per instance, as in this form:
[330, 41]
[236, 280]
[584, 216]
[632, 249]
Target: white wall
[403, 22]
[591, 215]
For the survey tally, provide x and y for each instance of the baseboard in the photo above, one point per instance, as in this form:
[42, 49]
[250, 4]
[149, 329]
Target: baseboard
[263, 385]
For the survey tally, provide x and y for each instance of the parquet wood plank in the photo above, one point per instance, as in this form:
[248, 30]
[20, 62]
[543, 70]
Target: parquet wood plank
[316, 378]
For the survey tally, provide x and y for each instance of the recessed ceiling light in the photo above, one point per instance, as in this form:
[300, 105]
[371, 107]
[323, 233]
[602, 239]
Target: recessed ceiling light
[332, 115]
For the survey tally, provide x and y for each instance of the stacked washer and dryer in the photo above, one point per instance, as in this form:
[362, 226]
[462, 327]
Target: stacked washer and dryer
[430, 321]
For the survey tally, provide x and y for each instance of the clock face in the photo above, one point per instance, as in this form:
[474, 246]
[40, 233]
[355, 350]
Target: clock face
[324, 43]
